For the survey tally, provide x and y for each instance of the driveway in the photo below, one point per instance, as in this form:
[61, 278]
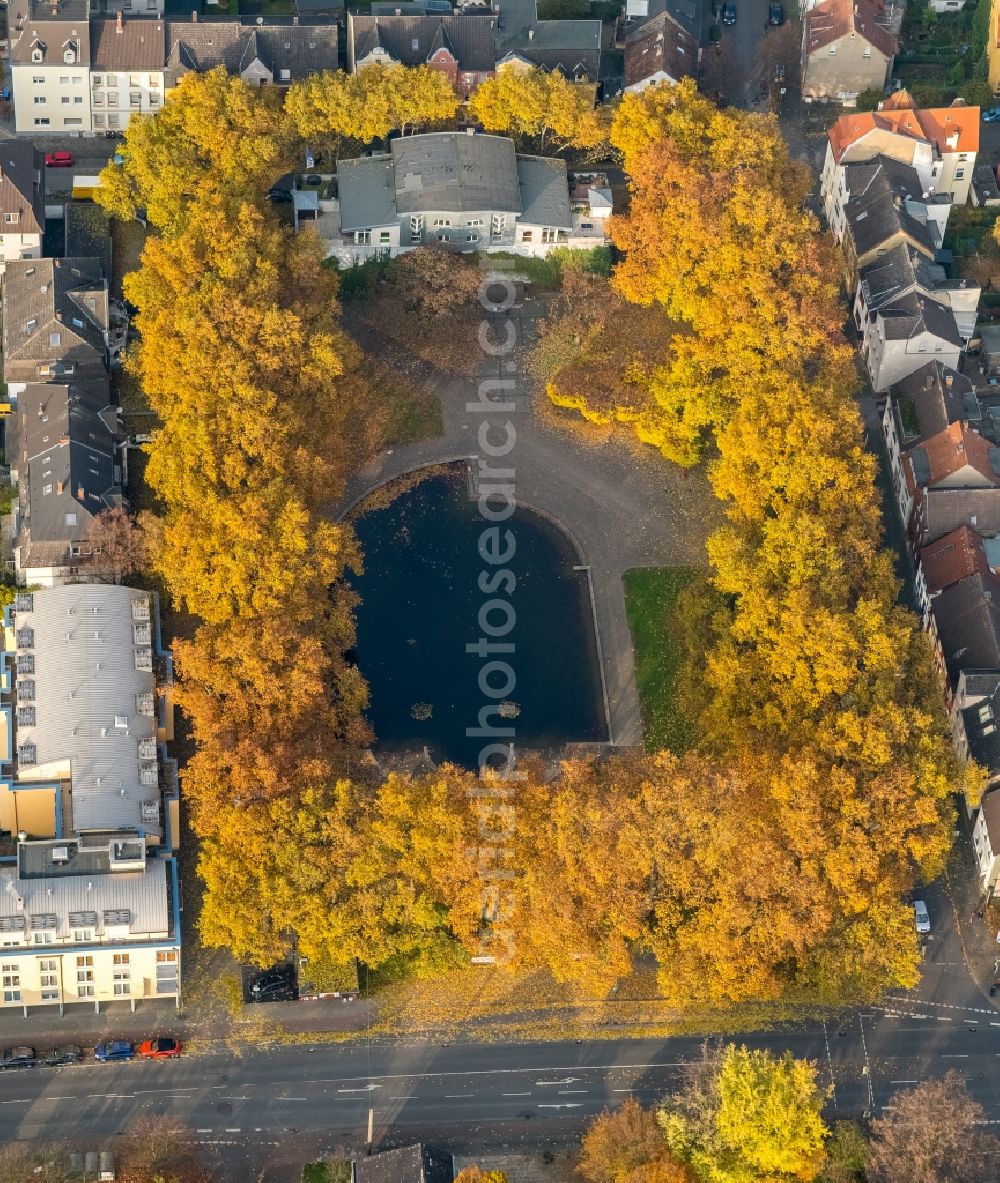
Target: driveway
[623, 506]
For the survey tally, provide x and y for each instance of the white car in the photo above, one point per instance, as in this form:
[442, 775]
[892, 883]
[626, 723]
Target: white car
[921, 916]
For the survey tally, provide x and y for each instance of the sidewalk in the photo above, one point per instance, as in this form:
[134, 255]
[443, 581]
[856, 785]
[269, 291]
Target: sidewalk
[79, 1025]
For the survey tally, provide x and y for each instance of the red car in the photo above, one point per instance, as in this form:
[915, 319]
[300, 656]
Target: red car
[59, 160]
[160, 1049]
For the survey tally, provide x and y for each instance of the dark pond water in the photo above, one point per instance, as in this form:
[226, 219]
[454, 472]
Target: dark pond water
[421, 598]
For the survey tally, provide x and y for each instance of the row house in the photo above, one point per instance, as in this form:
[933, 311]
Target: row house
[462, 47]
[76, 74]
[940, 144]
[659, 50]
[569, 47]
[22, 201]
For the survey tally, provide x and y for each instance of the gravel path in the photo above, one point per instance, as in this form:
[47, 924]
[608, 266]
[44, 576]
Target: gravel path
[623, 507]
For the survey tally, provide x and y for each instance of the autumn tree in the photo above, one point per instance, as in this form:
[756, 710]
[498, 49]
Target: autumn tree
[746, 1115]
[368, 105]
[217, 138]
[541, 106]
[434, 283]
[932, 1134]
[117, 545]
[629, 1145]
[478, 1175]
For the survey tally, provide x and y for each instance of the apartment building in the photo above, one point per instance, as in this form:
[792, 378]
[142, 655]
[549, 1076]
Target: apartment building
[126, 75]
[50, 67]
[22, 201]
[89, 906]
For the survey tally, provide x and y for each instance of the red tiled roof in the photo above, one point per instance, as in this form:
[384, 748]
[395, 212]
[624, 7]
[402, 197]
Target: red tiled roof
[936, 124]
[660, 44]
[830, 20]
[953, 557]
[958, 447]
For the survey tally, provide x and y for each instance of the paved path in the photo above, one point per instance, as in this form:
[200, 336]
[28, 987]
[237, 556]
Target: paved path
[623, 507]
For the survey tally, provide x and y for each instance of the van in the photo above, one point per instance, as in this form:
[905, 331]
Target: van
[921, 917]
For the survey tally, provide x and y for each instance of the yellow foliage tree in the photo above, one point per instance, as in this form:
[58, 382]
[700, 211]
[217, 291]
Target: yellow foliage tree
[540, 105]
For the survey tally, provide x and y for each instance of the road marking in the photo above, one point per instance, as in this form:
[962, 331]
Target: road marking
[208, 1131]
[143, 1092]
[22, 1101]
[367, 1089]
[564, 1105]
[472, 1072]
[904, 1081]
[457, 1096]
[621, 1090]
[292, 1098]
[232, 1131]
[110, 1096]
[515, 1094]
[943, 1018]
[568, 1080]
[565, 1092]
[954, 1056]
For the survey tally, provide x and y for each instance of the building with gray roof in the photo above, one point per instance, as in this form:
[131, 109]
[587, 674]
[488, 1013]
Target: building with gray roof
[62, 442]
[263, 55]
[459, 191]
[462, 47]
[55, 320]
[571, 47]
[967, 616]
[86, 704]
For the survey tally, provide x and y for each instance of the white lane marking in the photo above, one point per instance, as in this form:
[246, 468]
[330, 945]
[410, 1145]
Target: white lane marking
[367, 1089]
[565, 1092]
[291, 1098]
[206, 1131]
[457, 1096]
[568, 1080]
[232, 1131]
[474, 1072]
[22, 1101]
[515, 1094]
[110, 1096]
[943, 1018]
[564, 1105]
[954, 1055]
[904, 1081]
[143, 1092]
[621, 1090]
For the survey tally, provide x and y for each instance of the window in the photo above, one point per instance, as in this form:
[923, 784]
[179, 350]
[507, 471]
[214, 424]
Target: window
[441, 222]
[498, 225]
[64, 80]
[383, 237]
[112, 98]
[80, 935]
[548, 234]
[69, 55]
[98, 99]
[154, 99]
[85, 969]
[11, 974]
[416, 225]
[112, 121]
[472, 238]
[46, 489]
[526, 235]
[47, 974]
[833, 51]
[122, 987]
[868, 51]
[474, 222]
[121, 959]
[12, 995]
[135, 80]
[362, 237]
[38, 79]
[134, 98]
[77, 79]
[37, 55]
[42, 122]
[78, 99]
[98, 121]
[12, 219]
[85, 991]
[50, 995]
[65, 100]
[40, 100]
[98, 79]
[286, 75]
[121, 721]
[73, 122]
[163, 955]
[55, 339]
[959, 173]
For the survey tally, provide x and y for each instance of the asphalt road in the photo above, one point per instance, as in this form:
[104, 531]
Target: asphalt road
[463, 1093]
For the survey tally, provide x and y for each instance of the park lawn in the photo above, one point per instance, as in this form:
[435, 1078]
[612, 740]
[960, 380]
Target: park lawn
[650, 599]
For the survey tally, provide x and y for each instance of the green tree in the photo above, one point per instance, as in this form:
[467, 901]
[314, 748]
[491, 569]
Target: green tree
[746, 1116]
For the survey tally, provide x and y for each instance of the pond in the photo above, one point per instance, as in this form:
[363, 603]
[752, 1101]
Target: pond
[435, 613]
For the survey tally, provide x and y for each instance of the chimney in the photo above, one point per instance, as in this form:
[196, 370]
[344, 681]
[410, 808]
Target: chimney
[949, 379]
[295, 20]
[118, 22]
[531, 34]
[59, 488]
[194, 16]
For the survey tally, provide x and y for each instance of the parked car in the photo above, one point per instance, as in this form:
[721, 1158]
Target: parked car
[114, 1049]
[68, 1053]
[992, 115]
[59, 160]
[775, 15]
[729, 14]
[921, 917]
[276, 196]
[163, 1048]
[18, 1057]
[275, 985]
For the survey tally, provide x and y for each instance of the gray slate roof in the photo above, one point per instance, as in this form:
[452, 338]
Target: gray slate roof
[405, 1165]
[22, 186]
[938, 395]
[573, 47]
[203, 45]
[69, 28]
[876, 210]
[67, 441]
[913, 314]
[55, 315]
[544, 192]
[410, 40]
[367, 190]
[86, 641]
[947, 509]
[455, 171]
[968, 624]
[982, 730]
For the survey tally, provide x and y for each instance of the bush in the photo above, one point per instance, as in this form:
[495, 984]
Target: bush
[868, 100]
